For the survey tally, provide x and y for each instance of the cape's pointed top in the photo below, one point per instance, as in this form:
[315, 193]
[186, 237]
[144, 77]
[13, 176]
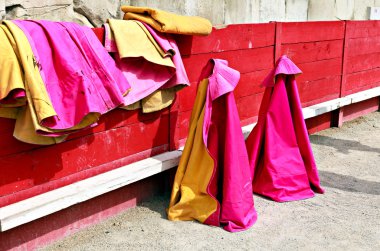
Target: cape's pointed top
[223, 79]
[283, 66]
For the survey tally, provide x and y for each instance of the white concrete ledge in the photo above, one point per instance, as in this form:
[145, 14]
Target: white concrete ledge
[41, 205]
[331, 105]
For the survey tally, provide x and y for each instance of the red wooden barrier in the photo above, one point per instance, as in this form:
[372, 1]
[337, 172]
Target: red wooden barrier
[337, 58]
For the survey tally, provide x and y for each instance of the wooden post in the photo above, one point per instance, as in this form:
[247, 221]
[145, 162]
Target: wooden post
[277, 42]
[174, 124]
[337, 115]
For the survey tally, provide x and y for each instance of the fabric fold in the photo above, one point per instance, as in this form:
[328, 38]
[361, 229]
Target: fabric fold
[168, 22]
[69, 79]
[12, 90]
[150, 61]
[213, 183]
[281, 160]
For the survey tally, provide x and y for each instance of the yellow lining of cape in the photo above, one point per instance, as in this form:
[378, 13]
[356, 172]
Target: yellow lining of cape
[189, 199]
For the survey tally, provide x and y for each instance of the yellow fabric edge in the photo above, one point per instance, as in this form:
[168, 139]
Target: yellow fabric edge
[133, 41]
[189, 199]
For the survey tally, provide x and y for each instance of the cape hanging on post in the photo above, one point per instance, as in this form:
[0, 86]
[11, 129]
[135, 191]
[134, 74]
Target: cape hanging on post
[213, 183]
[280, 155]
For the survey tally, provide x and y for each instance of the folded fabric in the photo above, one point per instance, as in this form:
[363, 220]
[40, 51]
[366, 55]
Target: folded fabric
[38, 101]
[165, 96]
[145, 64]
[168, 22]
[281, 159]
[213, 181]
[169, 45]
[70, 80]
[12, 91]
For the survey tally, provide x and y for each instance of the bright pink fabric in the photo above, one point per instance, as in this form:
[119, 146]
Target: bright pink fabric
[231, 183]
[79, 74]
[12, 96]
[109, 44]
[167, 43]
[281, 159]
[146, 77]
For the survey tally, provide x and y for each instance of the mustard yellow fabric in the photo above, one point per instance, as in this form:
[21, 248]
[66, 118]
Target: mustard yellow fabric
[33, 80]
[11, 76]
[156, 101]
[25, 130]
[168, 22]
[39, 107]
[9, 112]
[194, 170]
[134, 40]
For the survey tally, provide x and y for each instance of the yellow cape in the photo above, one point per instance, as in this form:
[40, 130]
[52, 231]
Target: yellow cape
[168, 22]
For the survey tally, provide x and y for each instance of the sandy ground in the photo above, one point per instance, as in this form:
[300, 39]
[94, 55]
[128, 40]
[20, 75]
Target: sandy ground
[346, 217]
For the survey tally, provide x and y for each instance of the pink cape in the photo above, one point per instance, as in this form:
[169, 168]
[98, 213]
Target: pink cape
[79, 75]
[230, 183]
[281, 159]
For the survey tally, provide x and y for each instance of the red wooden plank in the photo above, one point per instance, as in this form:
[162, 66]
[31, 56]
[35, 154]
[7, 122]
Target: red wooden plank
[298, 32]
[241, 60]
[21, 171]
[362, 28]
[184, 124]
[99, 32]
[7, 125]
[368, 79]
[248, 121]
[318, 123]
[248, 107]
[363, 62]
[174, 124]
[114, 119]
[250, 83]
[119, 118]
[320, 69]
[314, 92]
[10, 145]
[337, 115]
[44, 231]
[361, 88]
[359, 109]
[366, 45]
[278, 42]
[187, 97]
[313, 51]
[232, 37]
[36, 189]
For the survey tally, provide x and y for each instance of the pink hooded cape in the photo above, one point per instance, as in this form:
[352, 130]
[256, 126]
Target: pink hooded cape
[79, 75]
[227, 197]
[281, 159]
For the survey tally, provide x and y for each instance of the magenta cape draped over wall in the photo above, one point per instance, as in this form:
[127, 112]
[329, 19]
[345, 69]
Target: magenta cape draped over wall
[213, 183]
[79, 75]
[281, 159]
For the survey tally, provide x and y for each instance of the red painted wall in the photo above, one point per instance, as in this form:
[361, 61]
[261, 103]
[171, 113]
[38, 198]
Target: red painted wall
[337, 58]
